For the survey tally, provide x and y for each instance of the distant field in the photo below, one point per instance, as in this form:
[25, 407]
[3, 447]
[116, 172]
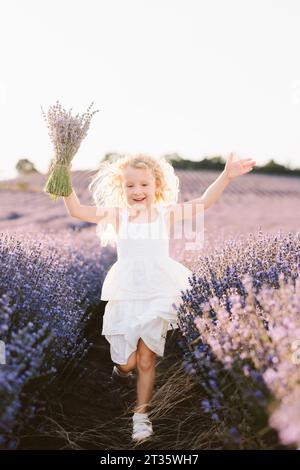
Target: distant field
[250, 202]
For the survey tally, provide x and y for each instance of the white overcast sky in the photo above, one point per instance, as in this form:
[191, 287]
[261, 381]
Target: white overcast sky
[196, 77]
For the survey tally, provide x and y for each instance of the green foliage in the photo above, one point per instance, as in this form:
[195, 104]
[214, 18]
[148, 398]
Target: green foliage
[25, 166]
[217, 164]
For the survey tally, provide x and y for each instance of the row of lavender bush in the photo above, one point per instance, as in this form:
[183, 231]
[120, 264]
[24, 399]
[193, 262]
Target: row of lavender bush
[47, 283]
[240, 324]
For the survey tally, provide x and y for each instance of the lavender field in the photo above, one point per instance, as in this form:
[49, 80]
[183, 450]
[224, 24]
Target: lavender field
[230, 375]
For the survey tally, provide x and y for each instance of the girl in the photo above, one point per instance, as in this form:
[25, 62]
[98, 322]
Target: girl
[134, 198]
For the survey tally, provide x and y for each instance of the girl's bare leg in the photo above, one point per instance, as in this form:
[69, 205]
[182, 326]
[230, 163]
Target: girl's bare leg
[131, 363]
[146, 362]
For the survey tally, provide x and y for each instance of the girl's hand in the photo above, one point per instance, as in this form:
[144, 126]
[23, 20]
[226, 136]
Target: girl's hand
[235, 167]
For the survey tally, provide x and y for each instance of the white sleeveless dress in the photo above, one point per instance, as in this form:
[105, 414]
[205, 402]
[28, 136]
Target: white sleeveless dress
[141, 288]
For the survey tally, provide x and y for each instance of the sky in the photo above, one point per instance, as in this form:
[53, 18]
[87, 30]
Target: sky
[195, 77]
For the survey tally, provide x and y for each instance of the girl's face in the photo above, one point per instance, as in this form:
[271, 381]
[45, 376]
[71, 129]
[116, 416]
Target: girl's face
[139, 186]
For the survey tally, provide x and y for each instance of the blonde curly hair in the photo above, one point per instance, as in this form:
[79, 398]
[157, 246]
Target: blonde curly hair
[106, 187]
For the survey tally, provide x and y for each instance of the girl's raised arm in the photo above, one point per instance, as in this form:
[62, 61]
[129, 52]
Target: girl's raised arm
[72, 202]
[94, 214]
[233, 168]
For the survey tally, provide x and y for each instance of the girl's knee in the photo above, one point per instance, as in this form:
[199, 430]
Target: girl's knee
[145, 358]
[146, 362]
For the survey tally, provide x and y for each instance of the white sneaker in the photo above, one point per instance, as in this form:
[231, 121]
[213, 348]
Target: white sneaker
[142, 429]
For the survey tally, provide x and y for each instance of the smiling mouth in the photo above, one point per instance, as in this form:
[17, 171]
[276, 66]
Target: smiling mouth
[139, 200]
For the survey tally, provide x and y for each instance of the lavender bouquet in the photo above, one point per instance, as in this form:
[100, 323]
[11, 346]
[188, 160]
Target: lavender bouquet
[66, 133]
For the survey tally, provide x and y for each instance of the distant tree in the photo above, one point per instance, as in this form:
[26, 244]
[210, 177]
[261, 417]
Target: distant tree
[274, 167]
[25, 167]
[173, 157]
[215, 163]
[111, 157]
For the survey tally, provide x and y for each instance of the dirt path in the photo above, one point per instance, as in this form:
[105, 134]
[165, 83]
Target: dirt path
[90, 413]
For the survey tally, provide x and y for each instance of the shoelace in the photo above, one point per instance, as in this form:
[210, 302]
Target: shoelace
[141, 427]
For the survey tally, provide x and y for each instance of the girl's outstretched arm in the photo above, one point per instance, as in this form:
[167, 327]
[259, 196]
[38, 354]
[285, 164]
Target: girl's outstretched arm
[233, 168]
[72, 202]
[93, 214]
